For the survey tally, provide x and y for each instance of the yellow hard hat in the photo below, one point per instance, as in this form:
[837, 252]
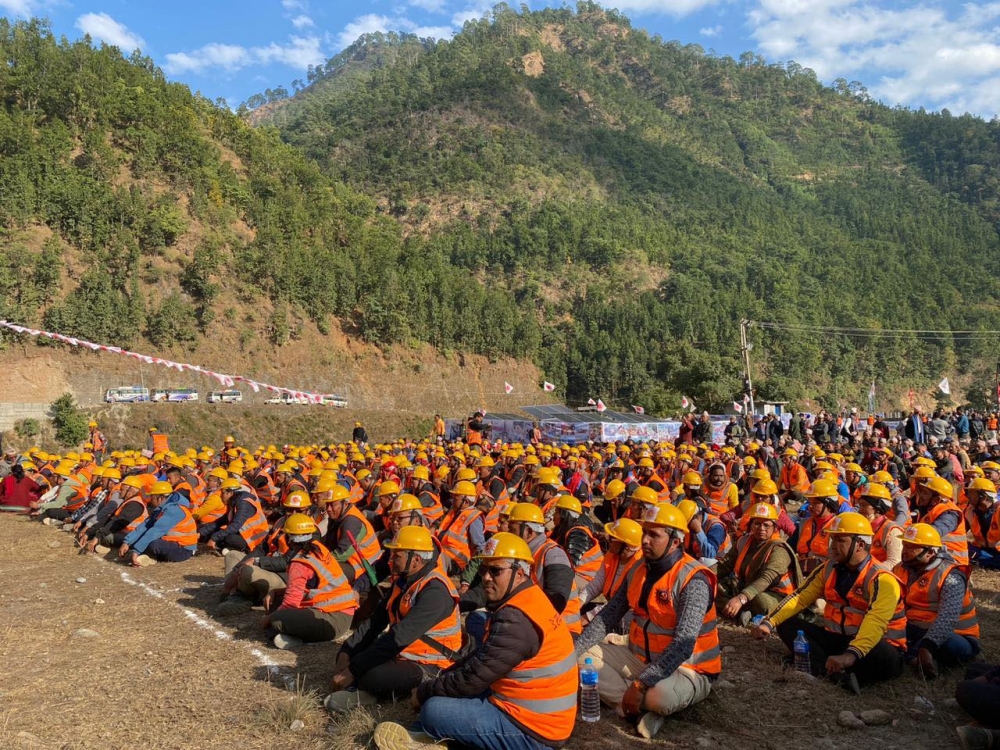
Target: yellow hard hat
[487, 461]
[940, 486]
[765, 487]
[299, 524]
[466, 475]
[339, 493]
[790, 453]
[854, 467]
[63, 470]
[921, 535]
[851, 524]
[231, 484]
[987, 465]
[615, 488]
[549, 475]
[749, 461]
[297, 499]
[414, 538]
[983, 484]
[667, 515]
[229, 439]
[822, 466]
[420, 472]
[388, 488]
[688, 508]
[762, 512]
[924, 461]
[879, 491]
[98, 472]
[692, 479]
[505, 546]
[464, 489]
[625, 530]
[92, 423]
[924, 473]
[645, 463]
[975, 471]
[759, 474]
[531, 461]
[133, 482]
[570, 503]
[527, 513]
[219, 473]
[645, 495]
[405, 503]
[111, 473]
[822, 488]
[882, 477]
[161, 488]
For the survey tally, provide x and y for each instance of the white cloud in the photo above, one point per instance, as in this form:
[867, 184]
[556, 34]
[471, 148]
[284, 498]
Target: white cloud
[293, 4]
[710, 31]
[431, 6]
[918, 55]
[373, 22]
[472, 12]
[299, 53]
[671, 7]
[104, 28]
[302, 22]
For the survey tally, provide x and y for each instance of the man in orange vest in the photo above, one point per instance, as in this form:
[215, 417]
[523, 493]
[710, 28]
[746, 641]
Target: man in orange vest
[157, 442]
[936, 507]
[98, 442]
[794, 481]
[574, 534]
[518, 690]
[416, 635]
[941, 622]
[862, 634]
[244, 525]
[673, 653]
[318, 604]
[624, 553]
[759, 570]
[169, 534]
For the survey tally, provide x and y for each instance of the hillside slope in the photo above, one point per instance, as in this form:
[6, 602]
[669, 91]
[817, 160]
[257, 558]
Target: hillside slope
[639, 197]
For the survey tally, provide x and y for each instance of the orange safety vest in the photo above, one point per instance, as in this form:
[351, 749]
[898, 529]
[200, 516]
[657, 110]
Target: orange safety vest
[983, 538]
[653, 625]
[881, 526]
[287, 489]
[718, 500]
[133, 525]
[539, 694]
[370, 548]
[571, 614]
[433, 512]
[254, 531]
[845, 616]
[81, 492]
[923, 594]
[333, 592]
[662, 494]
[199, 490]
[98, 440]
[276, 541]
[446, 635]
[784, 586]
[160, 442]
[957, 541]
[591, 560]
[216, 514]
[184, 532]
[455, 537]
[794, 477]
[814, 539]
[616, 572]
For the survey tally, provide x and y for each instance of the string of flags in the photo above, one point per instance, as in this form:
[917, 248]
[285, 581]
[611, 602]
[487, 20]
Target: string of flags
[227, 381]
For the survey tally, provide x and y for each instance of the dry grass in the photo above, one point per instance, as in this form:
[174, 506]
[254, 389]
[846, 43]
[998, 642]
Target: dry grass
[157, 678]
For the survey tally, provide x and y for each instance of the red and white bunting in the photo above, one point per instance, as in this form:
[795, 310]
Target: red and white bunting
[508, 388]
[548, 387]
[638, 409]
[600, 406]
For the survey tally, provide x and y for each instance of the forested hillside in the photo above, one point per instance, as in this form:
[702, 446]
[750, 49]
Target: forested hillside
[554, 185]
[640, 196]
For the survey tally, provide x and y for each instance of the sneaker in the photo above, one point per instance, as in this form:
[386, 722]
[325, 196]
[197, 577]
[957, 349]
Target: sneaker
[744, 618]
[145, 561]
[975, 738]
[101, 549]
[345, 701]
[650, 724]
[51, 522]
[67, 527]
[392, 736]
[284, 642]
[235, 604]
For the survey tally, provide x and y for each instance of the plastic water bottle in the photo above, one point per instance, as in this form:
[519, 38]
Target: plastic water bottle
[756, 620]
[590, 699]
[801, 648]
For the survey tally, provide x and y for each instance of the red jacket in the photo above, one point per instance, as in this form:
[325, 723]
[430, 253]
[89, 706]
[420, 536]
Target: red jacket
[19, 494]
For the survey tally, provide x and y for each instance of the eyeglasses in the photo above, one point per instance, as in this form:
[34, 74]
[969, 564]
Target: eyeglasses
[493, 571]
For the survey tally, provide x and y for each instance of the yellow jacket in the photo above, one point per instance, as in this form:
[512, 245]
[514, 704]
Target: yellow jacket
[213, 503]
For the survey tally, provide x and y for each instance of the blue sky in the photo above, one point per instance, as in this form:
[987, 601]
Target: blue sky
[935, 54]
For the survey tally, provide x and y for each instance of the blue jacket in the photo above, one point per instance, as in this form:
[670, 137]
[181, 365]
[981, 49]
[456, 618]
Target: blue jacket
[161, 520]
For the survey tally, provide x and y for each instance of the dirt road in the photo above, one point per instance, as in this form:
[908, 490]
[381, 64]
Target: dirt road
[159, 671]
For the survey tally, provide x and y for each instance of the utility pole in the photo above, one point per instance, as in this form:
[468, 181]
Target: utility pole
[745, 347]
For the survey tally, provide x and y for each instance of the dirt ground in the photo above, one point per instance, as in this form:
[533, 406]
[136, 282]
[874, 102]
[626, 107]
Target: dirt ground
[163, 672]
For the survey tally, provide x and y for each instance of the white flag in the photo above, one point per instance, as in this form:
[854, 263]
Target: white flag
[508, 388]
[738, 406]
[591, 402]
[548, 387]
[945, 387]
[600, 406]
[638, 409]
[684, 402]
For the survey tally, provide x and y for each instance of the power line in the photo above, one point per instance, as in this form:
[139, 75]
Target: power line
[898, 333]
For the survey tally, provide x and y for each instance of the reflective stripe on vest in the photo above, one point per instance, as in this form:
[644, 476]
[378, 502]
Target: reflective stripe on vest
[845, 616]
[957, 541]
[785, 586]
[882, 531]
[615, 573]
[814, 538]
[133, 525]
[539, 694]
[447, 632]
[718, 500]
[591, 560]
[254, 531]
[333, 592]
[370, 548]
[923, 596]
[184, 532]
[455, 537]
[653, 626]
[571, 612]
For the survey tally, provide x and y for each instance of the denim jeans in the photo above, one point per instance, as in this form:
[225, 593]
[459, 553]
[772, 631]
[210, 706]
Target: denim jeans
[985, 558]
[958, 649]
[475, 723]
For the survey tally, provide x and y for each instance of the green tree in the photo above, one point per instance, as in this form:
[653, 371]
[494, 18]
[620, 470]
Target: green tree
[69, 422]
